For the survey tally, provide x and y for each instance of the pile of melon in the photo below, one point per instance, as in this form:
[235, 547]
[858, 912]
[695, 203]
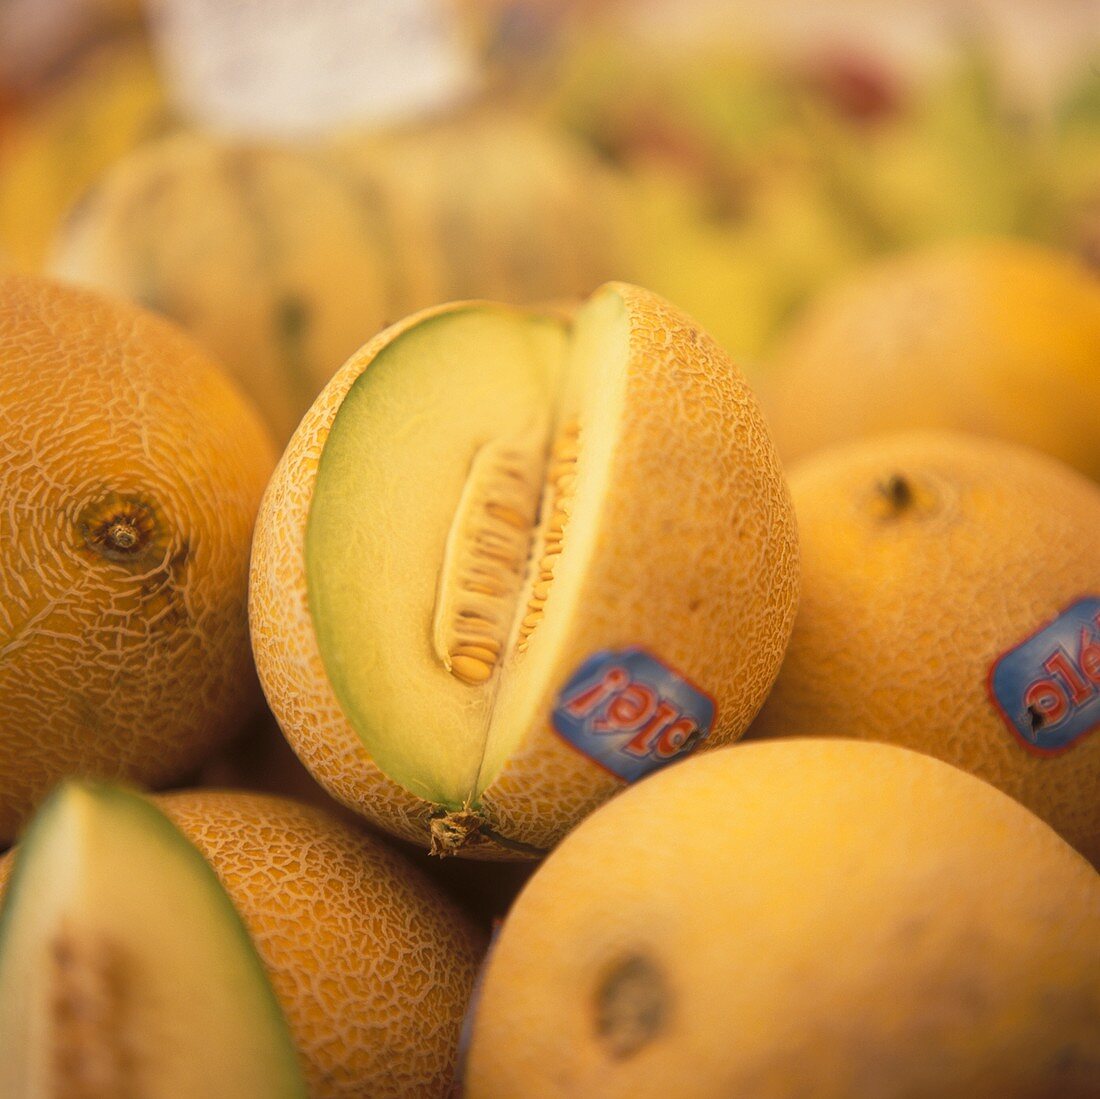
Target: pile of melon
[429, 666]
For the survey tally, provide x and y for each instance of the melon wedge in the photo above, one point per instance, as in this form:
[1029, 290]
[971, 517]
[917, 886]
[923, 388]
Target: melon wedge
[124, 967]
[491, 510]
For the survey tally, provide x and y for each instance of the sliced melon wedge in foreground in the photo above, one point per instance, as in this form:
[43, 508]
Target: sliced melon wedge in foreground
[510, 562]
[124, 967]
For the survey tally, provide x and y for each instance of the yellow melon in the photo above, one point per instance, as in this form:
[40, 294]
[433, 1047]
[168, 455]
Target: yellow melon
[1000, 338]
[283, 261]
[951, 604]
[372, 966]
[58, 147]
[131, 472]
[490, 204]
[508, 563]
[266, 255]
[814, 917]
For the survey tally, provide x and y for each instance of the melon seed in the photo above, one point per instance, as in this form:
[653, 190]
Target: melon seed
[485, 558]
[90, 1057]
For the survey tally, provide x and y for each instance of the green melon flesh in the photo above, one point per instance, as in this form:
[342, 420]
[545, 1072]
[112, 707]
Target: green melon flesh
[125, 970]
[441, 425]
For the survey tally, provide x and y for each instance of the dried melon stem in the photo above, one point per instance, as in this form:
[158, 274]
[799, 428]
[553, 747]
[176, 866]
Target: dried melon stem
[902, 495]
[91, 1059]
[487, 575]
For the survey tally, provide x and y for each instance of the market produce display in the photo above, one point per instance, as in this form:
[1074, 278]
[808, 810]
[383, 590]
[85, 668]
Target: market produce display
[665, 658]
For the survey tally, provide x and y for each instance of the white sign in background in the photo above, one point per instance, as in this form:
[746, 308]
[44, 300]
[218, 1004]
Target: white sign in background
[289, 69]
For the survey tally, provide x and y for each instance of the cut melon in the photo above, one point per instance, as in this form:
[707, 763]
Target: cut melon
[488, 505]
[124, 967]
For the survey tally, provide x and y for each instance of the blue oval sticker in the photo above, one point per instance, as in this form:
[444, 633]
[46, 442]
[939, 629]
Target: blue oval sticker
[1047, 688]
[631, 713]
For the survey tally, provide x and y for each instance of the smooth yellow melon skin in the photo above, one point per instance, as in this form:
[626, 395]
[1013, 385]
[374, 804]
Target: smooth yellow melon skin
[122, 655]
[372, 965]
[488, 203]
[60, 146]
[813, 917]
[903, 614]
[731, 496]
[996, 337]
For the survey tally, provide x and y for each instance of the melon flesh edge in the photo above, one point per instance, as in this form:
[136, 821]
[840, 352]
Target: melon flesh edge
[397, 484]
[124, 968]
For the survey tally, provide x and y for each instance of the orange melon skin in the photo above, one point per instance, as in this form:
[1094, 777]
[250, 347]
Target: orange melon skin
[902, 619]
[993, 336]
[372, 965]
[129, 662]
[728, 633]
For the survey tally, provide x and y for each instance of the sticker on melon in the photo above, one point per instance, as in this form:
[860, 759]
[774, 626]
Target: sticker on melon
[125, 970]
[485, 505]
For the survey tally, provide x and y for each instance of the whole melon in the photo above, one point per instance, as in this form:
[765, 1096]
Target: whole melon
[951, 604]
[994, 337]
[131, 472]
[813, 917]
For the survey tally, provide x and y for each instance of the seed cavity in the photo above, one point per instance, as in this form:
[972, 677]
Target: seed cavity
[633, 1005]
[561, 478]
[91, 1058]
[118, 527]
[489, 560]
[485, 559]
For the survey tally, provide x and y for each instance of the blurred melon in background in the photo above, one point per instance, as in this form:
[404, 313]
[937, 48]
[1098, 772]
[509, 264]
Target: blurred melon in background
[806, 139]
[56, 144]
[737, 159]
[285, 260]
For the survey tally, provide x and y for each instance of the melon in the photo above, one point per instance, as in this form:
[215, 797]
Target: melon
[951, 604]
[995, 337]
[371, 965]
[509, 563]
[285, 261]
[808, 917]
[131, 471]
[124, 967]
